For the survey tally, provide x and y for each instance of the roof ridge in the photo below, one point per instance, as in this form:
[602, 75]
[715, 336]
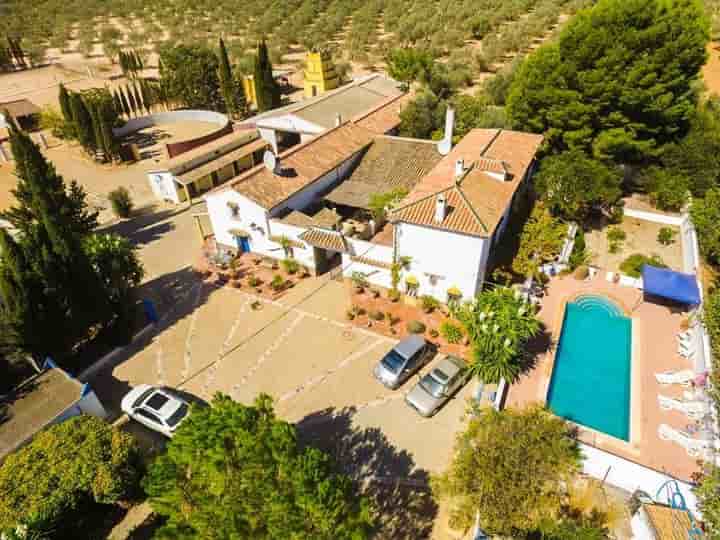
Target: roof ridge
[334, 91]
[429, 142]
[470, 206]
[421, 199]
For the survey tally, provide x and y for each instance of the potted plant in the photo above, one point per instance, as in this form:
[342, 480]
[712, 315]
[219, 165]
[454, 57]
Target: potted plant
[359, 281]
[393, 295]
[428, 303]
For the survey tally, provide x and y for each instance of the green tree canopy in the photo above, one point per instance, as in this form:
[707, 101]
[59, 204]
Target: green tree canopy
[266, 89]
[50, 481]
[541, 240]
[614, 84]
[705, 214]
[189, 74]
[512, 468]
[573, 185]
[499, 325]
[409, 64]
[232, 91]
[235, 471]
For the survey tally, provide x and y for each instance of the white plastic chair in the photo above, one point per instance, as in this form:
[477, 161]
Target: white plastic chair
[695, 410]
[694, 447]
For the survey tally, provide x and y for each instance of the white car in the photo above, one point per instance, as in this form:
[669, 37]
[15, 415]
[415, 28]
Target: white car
[156, 408]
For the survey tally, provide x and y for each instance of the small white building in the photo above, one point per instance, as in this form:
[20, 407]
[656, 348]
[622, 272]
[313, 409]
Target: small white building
[312, 203]
[49, 398]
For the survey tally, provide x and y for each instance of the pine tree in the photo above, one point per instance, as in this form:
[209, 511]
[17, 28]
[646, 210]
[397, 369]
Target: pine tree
[65, 106]
[266, 89]
[232, 92]
[83, 122]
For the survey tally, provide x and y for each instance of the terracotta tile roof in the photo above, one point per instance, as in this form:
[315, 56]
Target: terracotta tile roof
[478, 200]
[386, 116]
[384, 236]
[668, 523]
[324, 239]
[491, 165]
[218, 163]
[371, 262]
[389, 163]
[301, 165]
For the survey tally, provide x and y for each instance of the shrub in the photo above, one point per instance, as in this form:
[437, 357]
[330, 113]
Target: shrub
[66, 468]
[582, 272]
[277, 283]
[254, 281]
[350, 314]
[291, 266]
[120, 201]
[428, 303]
[376, 315]
[434, 333]
[615, 237]
[452, 333]
[632, 266]
[359, 280]
[393, 295]
[415, 327]
[579, 253]
[666, 236]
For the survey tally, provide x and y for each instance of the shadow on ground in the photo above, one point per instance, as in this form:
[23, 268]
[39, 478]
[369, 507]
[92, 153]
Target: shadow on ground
[387, 475]
[145, 226]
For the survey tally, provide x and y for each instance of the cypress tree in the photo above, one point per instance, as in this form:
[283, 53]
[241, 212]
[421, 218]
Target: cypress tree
[131, 99]
[83, 122]
[266, 89]
[138, 61]
[96, 126]
[65, 293]
[117, 104]
[228, 84]
[146, 94]
[124, 101]
[122, 60]
[65, 106]
[138, 98]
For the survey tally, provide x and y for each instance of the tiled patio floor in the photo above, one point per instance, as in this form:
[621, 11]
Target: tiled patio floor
[654, 344]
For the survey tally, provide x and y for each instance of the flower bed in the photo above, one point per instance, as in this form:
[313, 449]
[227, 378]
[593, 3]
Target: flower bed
[397, 316]
[252, 272]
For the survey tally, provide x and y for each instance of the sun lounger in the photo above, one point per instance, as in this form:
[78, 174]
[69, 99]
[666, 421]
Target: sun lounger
[684, 377]
[694, 410]
[694, 447]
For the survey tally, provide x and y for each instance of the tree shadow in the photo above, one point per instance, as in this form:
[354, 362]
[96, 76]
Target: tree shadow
[397, 489]
[536, 347]
[145, 226]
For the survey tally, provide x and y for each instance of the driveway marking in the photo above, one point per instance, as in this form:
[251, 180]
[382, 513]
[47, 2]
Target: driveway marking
[307, 385]
[187, 357]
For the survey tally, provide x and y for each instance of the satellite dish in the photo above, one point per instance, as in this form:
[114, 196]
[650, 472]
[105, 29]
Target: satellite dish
[270, 161]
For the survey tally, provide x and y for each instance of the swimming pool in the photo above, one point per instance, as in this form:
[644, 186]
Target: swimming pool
[590, 382]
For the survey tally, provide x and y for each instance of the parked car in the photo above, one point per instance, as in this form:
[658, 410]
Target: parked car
[403, 360]
[159, 409]
[438, 385]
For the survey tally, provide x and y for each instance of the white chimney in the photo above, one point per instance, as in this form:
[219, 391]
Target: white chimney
[459, 169]
[440, 208]
[445, 145]
[338, 119]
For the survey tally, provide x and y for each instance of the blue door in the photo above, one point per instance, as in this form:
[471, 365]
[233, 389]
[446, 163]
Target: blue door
[244, 244]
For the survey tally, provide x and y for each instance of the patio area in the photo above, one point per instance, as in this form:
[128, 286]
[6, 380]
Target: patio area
[655, 327]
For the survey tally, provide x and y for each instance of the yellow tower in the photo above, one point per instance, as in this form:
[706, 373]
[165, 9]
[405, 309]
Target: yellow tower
[320, 75]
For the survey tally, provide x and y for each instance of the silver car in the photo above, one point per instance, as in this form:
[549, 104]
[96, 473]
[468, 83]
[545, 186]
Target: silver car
[403, 360]
[438, 385]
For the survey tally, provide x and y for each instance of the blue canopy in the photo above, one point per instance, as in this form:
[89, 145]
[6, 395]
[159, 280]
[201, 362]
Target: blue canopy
[667, 283]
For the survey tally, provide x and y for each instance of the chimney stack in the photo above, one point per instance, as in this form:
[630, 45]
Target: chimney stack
[338, 119]
[445, 145]
[440, 208]
[459, 169]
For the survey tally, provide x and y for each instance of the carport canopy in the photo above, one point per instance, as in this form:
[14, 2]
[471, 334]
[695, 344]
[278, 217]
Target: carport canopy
[666, 283]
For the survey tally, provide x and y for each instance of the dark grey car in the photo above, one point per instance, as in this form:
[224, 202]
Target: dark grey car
[402, 361]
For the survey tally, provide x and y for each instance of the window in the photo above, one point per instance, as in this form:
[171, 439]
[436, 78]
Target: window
[234, 209]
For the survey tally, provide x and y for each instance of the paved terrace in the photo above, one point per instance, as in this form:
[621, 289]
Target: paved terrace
[654, 350]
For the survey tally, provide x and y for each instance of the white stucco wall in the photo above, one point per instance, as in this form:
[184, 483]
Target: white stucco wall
[163, 186]
[304, 256]
[458, 259]
[311, 193]
[223, 221]
[170, 117]
[377, 276]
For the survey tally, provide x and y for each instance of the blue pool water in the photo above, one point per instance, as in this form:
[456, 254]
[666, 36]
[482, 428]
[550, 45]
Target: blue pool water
[590, 383]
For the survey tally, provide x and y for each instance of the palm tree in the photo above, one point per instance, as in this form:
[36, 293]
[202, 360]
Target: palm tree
[499, 324]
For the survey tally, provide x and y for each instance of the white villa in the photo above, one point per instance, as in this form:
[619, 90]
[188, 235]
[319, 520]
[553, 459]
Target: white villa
[311, 203]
